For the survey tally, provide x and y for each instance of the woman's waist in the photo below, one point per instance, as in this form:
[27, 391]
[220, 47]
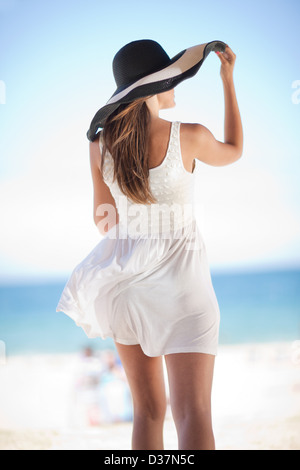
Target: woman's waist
[154, 220]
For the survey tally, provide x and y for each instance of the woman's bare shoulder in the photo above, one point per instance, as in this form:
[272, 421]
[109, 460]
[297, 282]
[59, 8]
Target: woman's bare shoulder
[192, 135]
[202, 144]
[192, 129]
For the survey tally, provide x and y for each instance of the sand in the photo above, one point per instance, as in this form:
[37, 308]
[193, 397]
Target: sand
[53, 402]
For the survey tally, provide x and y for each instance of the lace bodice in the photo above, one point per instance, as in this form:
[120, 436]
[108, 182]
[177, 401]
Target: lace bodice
[172, 186]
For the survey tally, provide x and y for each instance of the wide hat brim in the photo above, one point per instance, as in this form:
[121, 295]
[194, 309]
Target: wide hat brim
[182, 66]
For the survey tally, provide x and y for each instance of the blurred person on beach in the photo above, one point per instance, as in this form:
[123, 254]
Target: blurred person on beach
[160, 304]
[100, 392]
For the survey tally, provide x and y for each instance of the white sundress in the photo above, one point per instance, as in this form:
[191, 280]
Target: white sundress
[148, 281]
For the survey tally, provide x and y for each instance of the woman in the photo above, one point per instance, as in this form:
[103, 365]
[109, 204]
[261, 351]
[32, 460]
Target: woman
[150, 289]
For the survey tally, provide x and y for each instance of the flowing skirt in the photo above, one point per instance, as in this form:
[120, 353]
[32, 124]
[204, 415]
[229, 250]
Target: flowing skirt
[155, 291]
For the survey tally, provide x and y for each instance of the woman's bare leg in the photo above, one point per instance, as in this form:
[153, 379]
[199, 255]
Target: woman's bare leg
[190, 380]
[146, 381]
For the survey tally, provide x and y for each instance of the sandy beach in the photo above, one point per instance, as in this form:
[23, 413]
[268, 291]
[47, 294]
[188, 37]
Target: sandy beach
[55, 402]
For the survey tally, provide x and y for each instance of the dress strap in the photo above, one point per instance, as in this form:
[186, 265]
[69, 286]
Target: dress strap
[173, 155]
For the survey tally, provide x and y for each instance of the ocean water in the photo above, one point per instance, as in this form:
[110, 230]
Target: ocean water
[255, 307]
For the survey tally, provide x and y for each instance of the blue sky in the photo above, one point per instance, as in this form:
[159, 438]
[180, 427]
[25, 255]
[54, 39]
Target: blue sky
[55, 63]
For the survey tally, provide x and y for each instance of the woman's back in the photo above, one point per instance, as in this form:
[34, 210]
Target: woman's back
[158, 144]
[171, 184]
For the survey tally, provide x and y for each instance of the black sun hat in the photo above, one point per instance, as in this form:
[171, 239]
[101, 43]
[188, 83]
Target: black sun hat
[143, 68]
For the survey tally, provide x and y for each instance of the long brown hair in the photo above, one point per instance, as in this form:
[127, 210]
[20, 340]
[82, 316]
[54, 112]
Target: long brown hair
[126, 136]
